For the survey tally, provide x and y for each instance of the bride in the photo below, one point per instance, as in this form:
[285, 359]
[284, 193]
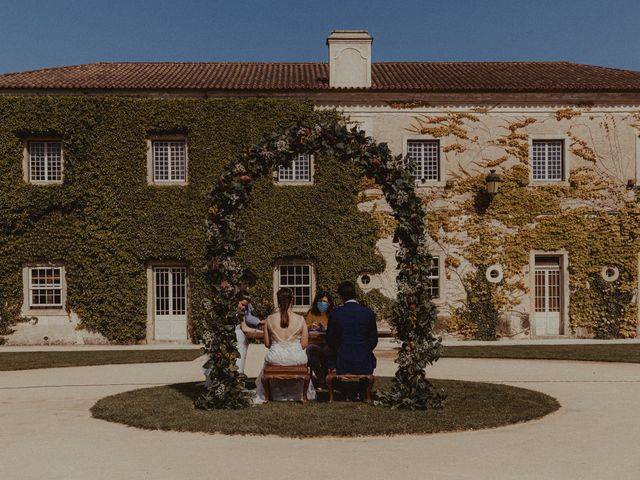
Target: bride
[286, 336]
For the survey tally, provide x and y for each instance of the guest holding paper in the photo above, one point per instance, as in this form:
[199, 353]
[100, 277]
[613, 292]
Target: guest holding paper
[317, 321]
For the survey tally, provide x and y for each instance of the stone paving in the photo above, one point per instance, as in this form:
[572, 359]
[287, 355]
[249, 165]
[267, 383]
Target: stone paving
[46, 431]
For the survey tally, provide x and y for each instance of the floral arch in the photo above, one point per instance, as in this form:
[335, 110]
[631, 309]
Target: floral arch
[413, 313]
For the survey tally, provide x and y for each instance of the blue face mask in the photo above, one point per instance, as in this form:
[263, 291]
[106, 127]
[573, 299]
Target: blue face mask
[322, 306]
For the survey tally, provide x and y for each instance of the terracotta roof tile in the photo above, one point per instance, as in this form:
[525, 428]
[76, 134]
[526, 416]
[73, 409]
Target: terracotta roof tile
[408, 76]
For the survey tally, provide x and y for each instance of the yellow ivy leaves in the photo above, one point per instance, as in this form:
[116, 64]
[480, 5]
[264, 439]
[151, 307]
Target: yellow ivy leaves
[590, 217]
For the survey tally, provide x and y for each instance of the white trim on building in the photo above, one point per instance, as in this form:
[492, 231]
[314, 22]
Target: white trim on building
[43, 161]
[549, 159]
[430, 165]
[167, 161]
[44, 290]
[301, 171]
[299, 275]
[168, 301]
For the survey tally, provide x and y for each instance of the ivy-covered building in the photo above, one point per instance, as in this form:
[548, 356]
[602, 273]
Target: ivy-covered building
[105, 170]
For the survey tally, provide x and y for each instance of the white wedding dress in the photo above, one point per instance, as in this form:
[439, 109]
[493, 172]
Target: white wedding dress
[285, 351]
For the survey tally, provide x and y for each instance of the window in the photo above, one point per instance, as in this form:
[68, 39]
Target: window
[44, 161]
[169, 161]
[299, 171]
[426, 154]
[434, 277]
[45, 287]
[548, 160]
[298, 278]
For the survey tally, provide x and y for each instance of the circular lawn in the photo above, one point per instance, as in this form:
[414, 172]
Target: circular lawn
[469, 406]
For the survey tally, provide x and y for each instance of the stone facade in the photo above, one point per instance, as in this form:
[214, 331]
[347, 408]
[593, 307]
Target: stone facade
[593, 115]
[609, 132]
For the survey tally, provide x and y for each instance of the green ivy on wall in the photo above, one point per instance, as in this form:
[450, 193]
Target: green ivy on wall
[105, 222]
[321, 225]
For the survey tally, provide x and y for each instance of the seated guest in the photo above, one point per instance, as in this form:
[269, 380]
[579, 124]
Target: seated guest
[352, 334]
[246, 309]
[246, 321]
[317, 320]
[247, 281]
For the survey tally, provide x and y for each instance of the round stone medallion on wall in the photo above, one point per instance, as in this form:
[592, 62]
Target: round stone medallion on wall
[494, 273]
[610, 274]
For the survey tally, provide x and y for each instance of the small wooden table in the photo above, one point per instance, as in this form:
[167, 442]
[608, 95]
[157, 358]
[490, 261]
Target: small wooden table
[317, 338]
[255, 335]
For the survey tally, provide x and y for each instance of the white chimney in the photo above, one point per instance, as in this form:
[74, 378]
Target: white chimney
[349, 58]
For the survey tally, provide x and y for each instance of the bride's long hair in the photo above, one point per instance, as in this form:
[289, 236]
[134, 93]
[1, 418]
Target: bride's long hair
[285, 300]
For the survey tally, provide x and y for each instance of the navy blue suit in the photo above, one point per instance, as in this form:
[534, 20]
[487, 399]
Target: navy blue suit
[352, 334]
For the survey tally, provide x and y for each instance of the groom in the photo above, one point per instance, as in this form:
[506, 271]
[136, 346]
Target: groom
[352, 334]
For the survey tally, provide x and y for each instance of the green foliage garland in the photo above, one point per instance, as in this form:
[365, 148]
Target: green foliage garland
[318, 223]
[413, 314]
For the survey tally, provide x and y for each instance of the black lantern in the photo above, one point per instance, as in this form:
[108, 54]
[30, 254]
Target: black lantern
[493, 181]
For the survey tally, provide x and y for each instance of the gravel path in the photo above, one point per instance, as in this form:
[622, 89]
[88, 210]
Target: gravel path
[46, 431]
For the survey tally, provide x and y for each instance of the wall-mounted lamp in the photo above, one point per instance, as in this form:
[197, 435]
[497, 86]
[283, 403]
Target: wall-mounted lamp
[493, 181]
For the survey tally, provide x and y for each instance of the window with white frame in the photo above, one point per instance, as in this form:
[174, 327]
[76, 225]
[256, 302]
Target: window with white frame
[299, 171]
[548, 160]
[169, 160]
[434, 277]
[297, 277]
[426, 154]
[45, 161]
[45, 287]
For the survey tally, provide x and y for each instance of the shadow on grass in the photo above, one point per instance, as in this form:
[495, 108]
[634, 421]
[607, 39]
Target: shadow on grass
[343, 391]
[470, 405]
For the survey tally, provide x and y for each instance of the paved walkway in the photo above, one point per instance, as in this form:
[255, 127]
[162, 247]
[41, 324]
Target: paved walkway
[384, 343]
[46, 431]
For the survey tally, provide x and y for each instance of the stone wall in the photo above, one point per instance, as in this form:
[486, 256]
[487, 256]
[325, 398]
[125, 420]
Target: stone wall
[608, 134]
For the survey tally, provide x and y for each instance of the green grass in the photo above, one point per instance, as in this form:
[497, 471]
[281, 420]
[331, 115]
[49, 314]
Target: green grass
[469, 405]
[31, 360]
[629, 353]
[626, 353]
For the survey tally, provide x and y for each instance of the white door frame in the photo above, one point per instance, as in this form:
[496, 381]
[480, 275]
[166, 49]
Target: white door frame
[547, 320]
[151, 307]
[564, 290]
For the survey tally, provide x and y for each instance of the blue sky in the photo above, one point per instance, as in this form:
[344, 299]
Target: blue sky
[39, 34]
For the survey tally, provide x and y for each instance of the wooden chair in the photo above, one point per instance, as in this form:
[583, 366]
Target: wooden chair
[284, 372]
[348, 376]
